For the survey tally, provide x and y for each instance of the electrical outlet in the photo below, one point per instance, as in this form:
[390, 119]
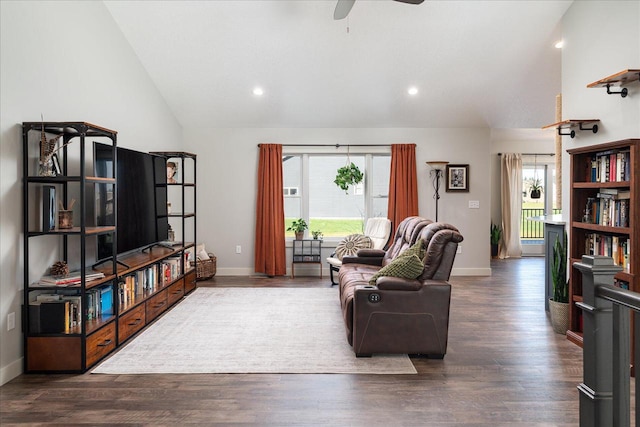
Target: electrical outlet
[11, 321]
[459, 250]
[238, 249]
[474, 204]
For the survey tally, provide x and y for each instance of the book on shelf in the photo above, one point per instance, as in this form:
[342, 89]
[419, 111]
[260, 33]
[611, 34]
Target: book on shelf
[622, 284]
[62, 312]
[49, 317]
[616, 247]
[611, 166]
[72, 278]
[609, 211]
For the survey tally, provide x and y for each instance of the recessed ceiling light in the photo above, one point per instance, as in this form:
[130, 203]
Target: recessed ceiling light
[559, 44]
[257, 91]
[412, 91]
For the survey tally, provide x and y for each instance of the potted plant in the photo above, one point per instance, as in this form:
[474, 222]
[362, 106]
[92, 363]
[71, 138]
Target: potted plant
[317, 234]
[298, 226]
[559, 301]
[496, 234]
[348, 175]
[536, 188]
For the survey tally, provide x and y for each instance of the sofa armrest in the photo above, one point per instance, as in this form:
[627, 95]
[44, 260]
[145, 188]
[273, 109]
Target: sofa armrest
[396, 322]
[371, 253]
[389, 283]
[371, 257]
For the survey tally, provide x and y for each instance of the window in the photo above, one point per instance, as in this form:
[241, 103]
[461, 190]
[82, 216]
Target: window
[540, 170]
[322, 204]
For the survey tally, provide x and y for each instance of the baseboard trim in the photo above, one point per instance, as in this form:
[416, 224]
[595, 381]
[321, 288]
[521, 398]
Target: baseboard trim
[11, 371]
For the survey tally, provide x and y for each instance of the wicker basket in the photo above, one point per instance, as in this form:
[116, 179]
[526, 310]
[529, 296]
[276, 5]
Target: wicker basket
[205, 268]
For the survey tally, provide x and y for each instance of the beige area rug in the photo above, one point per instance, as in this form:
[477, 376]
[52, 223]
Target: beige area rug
[250, 330]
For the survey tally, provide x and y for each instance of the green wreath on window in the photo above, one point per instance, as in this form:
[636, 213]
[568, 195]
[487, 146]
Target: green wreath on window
[348, 175]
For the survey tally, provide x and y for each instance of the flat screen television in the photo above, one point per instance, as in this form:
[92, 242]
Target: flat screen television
[141, 193]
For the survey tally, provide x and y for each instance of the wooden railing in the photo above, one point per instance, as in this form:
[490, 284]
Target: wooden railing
[605, 391]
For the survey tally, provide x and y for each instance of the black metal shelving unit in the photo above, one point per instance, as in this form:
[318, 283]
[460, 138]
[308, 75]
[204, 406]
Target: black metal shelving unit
[79, 346]
[185, 160]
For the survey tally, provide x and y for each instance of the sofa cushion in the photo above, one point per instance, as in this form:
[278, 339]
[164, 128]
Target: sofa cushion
[406, 267]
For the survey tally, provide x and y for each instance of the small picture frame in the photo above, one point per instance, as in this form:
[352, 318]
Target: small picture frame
[457, 178]
[56, 165]
[48, 208]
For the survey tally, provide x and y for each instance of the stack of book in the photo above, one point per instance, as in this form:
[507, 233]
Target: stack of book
[70, 279]
[610, 207]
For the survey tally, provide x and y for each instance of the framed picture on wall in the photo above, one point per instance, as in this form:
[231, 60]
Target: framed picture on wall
[457, 178]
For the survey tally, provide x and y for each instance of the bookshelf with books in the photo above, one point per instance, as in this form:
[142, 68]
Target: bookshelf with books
[68, 317]
[73, 320]
[181, 208]
[605, 216]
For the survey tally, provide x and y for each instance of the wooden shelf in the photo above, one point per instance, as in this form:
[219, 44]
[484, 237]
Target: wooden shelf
[575, 337]
[581, 233]
[621, 78]
[600, 228]
[75, 230]
[572, 124]
[597, 185]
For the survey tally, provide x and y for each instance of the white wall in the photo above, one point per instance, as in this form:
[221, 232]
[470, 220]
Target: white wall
[227, 185]
[69, 62]
[601, 38]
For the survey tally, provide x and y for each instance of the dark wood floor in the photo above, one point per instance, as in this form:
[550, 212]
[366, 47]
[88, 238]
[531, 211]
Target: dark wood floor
[504, 367]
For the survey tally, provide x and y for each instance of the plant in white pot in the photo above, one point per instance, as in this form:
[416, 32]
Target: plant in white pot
[559, 301]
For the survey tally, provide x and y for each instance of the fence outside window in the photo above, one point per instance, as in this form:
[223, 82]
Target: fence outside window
[533, 229]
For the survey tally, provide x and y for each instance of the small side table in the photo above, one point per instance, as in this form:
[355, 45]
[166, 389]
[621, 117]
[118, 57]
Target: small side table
[306, 251]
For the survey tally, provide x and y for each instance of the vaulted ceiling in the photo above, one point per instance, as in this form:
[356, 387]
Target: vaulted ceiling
[475, 63]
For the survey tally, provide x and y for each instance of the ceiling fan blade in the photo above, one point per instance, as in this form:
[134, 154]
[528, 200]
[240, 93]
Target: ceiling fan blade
[343, 7]
[411, 1]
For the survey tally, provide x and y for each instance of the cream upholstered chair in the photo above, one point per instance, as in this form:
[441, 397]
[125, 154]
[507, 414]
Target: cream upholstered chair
[376, 235]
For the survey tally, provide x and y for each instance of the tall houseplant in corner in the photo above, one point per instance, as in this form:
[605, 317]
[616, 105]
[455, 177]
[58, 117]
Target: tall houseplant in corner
[559, 301]
[496, 234]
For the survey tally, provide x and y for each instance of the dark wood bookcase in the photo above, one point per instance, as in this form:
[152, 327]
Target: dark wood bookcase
[70, 328]
[604, 216]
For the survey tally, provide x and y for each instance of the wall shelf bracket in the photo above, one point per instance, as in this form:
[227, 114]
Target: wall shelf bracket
[623, 91]
[622, 78]
[571, 125]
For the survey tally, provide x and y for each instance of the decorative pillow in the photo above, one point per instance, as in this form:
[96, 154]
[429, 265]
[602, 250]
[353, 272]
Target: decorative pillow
[406, 267]
[417, 249]
[351, 244]
[202, 255]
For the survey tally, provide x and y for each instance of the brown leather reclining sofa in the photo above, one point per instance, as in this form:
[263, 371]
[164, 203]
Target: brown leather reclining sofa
[398, 315]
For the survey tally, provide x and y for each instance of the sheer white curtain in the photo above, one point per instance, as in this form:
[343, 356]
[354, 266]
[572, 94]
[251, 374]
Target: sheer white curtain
[511, 191]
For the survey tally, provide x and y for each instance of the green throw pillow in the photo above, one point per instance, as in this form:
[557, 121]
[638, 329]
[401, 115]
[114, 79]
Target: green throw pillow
[407, 267]
[417, 249]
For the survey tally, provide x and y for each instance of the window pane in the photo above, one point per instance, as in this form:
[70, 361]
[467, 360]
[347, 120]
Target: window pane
[380, 186]
[532, 231]
[292, 182]
[331, 210]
